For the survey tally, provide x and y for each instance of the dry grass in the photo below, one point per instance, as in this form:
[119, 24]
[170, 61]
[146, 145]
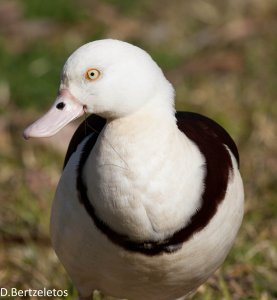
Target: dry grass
[221, 57]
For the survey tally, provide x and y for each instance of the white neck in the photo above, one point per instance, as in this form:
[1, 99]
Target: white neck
[155, 116]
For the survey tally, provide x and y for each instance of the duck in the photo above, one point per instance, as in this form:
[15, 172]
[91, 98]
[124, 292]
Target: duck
[150, 200]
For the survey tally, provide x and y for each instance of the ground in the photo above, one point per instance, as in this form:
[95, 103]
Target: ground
[222, 58]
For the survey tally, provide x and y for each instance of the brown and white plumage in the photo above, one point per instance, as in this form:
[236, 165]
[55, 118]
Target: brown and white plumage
[149, 202]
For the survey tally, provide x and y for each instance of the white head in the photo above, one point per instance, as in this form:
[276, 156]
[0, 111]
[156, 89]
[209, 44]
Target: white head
[106, 77]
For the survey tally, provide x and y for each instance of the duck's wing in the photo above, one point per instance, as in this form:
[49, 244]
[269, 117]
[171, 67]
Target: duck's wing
[205, 132]
[92, 124]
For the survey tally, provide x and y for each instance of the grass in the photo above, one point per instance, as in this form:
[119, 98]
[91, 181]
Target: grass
[66, 11]
[221, 58]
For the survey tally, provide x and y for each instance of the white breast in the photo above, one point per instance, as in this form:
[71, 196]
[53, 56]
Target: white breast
[145, 186]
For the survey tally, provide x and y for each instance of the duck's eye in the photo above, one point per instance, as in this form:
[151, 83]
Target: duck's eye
[92, 74]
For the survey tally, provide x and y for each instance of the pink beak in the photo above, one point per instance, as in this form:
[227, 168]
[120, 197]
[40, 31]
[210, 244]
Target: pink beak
[65, 109]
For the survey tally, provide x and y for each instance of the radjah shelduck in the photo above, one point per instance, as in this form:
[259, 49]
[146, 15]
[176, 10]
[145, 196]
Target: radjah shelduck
[150, 200]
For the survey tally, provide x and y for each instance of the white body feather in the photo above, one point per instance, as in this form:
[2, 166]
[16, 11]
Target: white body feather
[145, 179]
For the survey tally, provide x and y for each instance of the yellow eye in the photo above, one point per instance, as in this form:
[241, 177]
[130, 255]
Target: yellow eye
[92, 74]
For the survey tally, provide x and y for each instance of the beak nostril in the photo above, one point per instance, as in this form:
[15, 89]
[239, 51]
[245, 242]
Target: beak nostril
[60, 105]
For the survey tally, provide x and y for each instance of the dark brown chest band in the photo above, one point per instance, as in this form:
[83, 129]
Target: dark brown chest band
[210, 139]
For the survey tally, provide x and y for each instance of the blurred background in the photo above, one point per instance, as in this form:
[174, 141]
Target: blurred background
[221, 56]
